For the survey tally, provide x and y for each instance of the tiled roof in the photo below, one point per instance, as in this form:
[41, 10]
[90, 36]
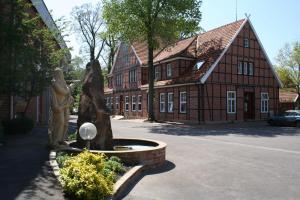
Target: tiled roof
[141, 49]
[287, 96]
[174, 49]
[211, 44]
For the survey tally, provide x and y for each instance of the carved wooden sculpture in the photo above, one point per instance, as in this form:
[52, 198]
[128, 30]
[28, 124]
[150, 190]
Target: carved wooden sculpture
[92, 108]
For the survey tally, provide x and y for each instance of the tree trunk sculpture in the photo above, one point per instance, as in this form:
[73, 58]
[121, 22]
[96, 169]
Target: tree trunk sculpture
[92, 108]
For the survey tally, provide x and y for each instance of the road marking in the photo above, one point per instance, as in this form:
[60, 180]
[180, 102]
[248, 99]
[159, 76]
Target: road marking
[244, 145]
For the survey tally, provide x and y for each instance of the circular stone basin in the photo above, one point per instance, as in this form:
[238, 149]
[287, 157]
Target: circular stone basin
[132, 151]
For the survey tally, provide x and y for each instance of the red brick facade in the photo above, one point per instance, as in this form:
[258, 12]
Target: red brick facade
[235, 70]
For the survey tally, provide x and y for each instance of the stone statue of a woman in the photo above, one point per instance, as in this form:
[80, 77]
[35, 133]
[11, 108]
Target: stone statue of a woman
[61, 100]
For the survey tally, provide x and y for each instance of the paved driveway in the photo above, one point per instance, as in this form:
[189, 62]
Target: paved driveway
[235, 161]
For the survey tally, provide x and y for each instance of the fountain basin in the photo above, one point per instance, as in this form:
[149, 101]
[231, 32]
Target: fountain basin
[133, 151]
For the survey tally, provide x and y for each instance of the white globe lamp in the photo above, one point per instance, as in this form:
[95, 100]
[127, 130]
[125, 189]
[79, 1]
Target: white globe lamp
[87, 132]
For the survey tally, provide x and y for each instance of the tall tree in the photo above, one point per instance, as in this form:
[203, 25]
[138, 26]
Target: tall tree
[288, 59]
[88, 22]
[150, 21]
[29, 52]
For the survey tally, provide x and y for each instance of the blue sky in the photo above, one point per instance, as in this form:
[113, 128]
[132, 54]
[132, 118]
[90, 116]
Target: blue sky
[276, 22]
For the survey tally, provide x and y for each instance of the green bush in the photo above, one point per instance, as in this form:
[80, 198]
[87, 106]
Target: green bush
[89, 176]
[72, 136]
[18, 125]
[61, 158]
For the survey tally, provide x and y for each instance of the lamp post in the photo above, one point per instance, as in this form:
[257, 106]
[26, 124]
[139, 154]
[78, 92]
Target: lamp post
[88, 131]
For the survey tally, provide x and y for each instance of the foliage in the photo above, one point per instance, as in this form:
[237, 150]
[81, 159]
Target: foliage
[18, 125]
[154, 22]
[72, 136]
[113, 164]
[288, 62]
[88, 23]
[284, 75]
[29, 52]
[61, 158]
[89, 176]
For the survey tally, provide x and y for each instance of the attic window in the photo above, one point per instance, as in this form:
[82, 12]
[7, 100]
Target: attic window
[246, 43]
[199, 64]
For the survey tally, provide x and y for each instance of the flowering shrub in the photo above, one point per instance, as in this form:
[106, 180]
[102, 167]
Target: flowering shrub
[90, 176]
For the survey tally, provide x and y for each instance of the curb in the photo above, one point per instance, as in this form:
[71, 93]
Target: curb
[119, 187]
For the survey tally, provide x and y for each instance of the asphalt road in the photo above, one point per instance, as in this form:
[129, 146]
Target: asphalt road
[233, 161]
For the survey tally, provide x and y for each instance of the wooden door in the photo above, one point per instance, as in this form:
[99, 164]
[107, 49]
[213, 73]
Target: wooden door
[249, 105]
[121, 107]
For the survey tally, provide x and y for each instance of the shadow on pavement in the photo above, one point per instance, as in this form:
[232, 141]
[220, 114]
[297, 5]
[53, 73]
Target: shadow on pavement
[168, 166]
[24, 169]
[255, 129]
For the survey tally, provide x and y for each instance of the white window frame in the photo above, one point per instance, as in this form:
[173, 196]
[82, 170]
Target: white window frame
[182, 101]
[246, 43]
[117, 102]
[127, 103]
[156, 73]
[111, 103]
[264, 102]
[169, 70]
[162, 102]
[240, 67]
[140, 100]
[132, 76]
[133, 103]
[231, 102]
[250, 69]
[170, 102]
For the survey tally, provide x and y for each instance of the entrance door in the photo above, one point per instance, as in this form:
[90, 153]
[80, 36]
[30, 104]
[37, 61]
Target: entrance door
[121, 107]
[249, 108]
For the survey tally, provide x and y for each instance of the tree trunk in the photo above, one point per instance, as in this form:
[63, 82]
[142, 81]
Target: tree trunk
[151, 114]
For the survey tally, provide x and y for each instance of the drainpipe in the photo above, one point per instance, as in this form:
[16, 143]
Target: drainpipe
[37, 109]
[11, 107]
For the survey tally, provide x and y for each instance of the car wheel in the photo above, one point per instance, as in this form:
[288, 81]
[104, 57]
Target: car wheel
[271, 122]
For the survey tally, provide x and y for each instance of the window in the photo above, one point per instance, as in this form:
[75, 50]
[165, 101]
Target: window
[140, 98]
[245, 68]
[199, 64]
[240, 68]
[119, 79]
[170, 102]
[111, 103]
[250, 69]
[246, 43]
[157, 73]
[133, 103]
[231, 102]
[264, 102]
[162, 102]
[169, 70]
[117, 102]
[182, 99]
[107, 101]
[132, 76]
[126, 103]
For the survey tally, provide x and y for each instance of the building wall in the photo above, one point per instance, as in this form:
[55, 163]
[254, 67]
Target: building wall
[225, 78]
[176, 115]
[208, 102]
[4, 107]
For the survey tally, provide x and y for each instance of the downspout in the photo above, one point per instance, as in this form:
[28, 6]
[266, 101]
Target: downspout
[199, 101]
[11, 107]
